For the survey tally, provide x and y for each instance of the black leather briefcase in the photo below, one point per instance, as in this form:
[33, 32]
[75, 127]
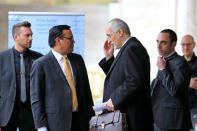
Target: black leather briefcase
[112, 121]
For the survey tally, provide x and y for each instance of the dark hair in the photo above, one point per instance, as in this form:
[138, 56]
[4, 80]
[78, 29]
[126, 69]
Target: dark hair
[172, 35]
[16, 27]
[56, 31]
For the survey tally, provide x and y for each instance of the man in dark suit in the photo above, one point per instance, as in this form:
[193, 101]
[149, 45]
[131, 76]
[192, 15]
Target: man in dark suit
[61, 102]
[188, 44]
[169, 89]
[15, 107]
[127, 82]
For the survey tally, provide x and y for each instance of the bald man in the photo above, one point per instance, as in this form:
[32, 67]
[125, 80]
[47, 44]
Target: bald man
[188, 44]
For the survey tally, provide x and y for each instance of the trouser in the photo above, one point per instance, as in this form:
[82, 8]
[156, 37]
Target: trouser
[193, 117]
[75, 122]
[21, 118]
[159, 129]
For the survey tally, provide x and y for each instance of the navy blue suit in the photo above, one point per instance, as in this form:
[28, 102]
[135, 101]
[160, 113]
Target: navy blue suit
[51, 95]
[127, 83]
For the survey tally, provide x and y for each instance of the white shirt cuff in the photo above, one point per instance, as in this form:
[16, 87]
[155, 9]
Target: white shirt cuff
[44, 128]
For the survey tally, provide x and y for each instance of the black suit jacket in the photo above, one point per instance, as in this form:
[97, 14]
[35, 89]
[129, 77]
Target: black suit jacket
[127, 83]
[8, 84]
[169, 92]
[51, 95]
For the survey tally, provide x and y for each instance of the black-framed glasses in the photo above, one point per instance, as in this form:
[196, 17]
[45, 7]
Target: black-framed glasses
[186, 44]
[110, 35]
[69, 38]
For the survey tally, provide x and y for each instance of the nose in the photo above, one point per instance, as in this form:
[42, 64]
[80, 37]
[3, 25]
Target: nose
[30, 37]
[108, 40]
[158, 45]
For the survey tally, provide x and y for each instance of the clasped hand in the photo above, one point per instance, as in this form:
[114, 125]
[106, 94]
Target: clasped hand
[161, 63]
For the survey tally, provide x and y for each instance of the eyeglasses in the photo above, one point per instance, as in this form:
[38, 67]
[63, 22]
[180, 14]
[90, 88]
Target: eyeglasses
[69, 38]
[186, 44]
[110, 35]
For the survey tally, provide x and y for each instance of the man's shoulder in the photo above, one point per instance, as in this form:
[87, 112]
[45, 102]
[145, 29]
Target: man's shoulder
[5, 52]
[178, 59]
[74, 56]
[194, 58]
[35, 53]
[180, 62]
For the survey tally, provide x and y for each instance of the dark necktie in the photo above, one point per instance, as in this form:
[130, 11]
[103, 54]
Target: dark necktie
[23, 81]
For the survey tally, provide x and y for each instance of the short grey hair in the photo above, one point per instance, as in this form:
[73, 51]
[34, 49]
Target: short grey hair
[117, 24]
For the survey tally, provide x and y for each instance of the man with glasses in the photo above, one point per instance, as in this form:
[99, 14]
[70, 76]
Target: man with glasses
[188, 44]
[127, 82]
[60, 92]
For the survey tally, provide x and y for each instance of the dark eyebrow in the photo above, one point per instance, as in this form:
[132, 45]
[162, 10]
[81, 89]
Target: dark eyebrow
[163, 41]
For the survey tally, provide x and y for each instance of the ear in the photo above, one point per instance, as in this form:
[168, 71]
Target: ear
[15, 37]
[194, 44]
[121, 32]
[173, 45]
[57, 40]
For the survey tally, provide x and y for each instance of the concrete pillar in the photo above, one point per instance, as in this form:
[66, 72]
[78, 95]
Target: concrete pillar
[186, 20]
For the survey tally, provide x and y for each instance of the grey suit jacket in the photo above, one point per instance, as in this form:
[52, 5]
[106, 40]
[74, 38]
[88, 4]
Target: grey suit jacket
[8, 83]
[51, 94]
[169, 92]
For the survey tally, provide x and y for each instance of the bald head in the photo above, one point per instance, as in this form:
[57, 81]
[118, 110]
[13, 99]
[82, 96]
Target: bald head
[187, 38]
[187, 44]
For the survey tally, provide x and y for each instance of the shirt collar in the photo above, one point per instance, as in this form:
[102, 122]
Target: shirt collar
[172, 53]
[57, 55]
[18, 53]
[117, 50]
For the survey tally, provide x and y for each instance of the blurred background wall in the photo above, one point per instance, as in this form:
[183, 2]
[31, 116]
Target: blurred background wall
[146, 18]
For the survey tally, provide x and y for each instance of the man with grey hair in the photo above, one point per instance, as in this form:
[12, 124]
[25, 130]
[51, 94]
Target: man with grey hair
[127, 82]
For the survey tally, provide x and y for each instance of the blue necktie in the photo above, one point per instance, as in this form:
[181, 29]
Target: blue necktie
[23, 81]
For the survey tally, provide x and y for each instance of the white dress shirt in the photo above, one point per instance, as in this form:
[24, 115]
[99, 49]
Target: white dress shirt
[116, 51]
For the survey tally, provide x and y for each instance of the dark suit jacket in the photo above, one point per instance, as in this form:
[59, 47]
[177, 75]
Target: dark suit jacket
[51, 95]
[170, 95]
[8, 84]
[127, 83]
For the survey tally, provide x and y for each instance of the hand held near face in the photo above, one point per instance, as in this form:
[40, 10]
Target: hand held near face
[108, 49]
[161, 63]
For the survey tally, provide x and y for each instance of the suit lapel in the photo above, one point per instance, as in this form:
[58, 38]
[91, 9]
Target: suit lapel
[156, 81]
[56, 65]
[115, 62]
[118, 56]
[73, 66]
[11, 65]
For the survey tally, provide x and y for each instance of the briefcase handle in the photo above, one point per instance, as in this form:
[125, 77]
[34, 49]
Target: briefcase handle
[103, 123]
